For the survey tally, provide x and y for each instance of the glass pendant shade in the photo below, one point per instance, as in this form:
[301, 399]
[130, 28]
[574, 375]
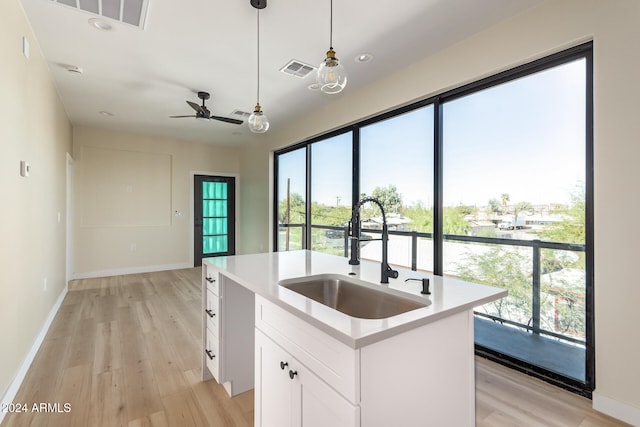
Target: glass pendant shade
[331, 77]
[258, 122]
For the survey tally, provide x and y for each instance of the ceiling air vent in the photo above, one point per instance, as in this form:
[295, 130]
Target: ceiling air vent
[132, 12]
[298, 69]
[238, 114]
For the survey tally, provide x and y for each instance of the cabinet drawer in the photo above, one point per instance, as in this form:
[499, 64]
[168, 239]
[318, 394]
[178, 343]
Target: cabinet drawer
[211, 356]
[212, 311]
[333, 361]
[212, 281]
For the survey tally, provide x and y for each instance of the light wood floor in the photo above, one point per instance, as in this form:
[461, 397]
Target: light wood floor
[125, 351]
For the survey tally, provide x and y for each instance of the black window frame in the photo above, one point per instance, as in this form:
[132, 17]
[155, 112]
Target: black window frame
[582, 51]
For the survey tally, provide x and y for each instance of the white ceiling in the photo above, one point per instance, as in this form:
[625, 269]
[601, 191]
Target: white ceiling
[143, 76]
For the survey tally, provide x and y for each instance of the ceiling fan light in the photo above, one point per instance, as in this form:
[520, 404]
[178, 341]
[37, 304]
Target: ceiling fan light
[258, 121]
[331, 75]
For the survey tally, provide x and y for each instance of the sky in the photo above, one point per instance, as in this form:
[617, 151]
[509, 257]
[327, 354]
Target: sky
[525, 138]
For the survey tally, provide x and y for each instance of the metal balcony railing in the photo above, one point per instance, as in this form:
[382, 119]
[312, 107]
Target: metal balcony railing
[299, 241]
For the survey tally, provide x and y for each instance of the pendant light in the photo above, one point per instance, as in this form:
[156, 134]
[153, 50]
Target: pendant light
[331, 77]
[258, 121]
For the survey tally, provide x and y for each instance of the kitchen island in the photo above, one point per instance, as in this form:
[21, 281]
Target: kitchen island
[313, 365]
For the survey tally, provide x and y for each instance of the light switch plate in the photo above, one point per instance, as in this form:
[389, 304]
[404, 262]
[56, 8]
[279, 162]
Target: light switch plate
[25, 168]
[25, 47]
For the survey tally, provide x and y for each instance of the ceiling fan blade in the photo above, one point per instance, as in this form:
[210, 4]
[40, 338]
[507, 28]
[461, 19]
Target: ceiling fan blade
[179, 117]
[196, 107]
[227, 120]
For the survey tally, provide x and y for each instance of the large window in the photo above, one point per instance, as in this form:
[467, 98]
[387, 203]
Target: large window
[490, 182]
[396, 167]
[514, 168]
[331, 164]
[291, 202]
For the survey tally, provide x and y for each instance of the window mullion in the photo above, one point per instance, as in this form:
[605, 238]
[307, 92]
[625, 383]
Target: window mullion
[438, 235]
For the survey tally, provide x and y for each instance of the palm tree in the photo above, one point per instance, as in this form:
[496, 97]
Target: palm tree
[505, 199]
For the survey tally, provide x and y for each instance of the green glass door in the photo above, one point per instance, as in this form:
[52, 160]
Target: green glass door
[214, 217]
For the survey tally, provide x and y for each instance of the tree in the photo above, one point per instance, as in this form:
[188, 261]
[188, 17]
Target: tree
[330, 215]
[572, 228]
[296, 209]
[523, 207]
[505, 199]
[454, 222]
[421, 217]
[503, 268]
[389, 198]
[494, 205]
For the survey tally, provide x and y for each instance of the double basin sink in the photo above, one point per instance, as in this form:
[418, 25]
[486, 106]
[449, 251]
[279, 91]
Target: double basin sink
[353, 297]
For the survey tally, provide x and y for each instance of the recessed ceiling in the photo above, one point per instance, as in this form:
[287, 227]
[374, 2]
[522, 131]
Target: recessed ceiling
[143, 74]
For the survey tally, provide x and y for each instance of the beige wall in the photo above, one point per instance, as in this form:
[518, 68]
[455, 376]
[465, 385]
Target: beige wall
[551, 27]
[127, 189]
[33, 127]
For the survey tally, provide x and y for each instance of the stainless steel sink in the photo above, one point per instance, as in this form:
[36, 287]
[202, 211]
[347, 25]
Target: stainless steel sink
[350, 297]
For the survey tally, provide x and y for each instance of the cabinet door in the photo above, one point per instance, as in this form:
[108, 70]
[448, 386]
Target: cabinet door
[288, 394]
[318, 405]
[273, 391]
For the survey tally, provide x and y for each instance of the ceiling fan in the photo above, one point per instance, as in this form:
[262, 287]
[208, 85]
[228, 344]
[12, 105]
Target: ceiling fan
[202, 112]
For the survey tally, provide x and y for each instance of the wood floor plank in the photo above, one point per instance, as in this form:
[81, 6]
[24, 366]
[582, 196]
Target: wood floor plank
[141, 390]
[166, 369]
[81, 350]
[157, 419]
[75, 391]
[182, 409]
[126, 351]
[220, 410]
[132, 345]
[107, 350]
[108, 402]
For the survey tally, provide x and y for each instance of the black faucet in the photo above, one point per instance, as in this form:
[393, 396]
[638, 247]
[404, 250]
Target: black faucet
[354, 233]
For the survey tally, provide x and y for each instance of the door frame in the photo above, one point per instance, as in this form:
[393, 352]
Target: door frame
[236, 218]
[69, 218]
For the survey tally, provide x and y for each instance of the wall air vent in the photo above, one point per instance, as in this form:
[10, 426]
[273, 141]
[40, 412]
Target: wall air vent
[132, 12]
[298, 69]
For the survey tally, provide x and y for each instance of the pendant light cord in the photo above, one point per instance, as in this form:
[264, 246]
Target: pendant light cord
[331, 25]
[258, 61]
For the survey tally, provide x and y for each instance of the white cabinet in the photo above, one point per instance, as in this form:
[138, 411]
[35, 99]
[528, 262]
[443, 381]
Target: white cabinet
[304, 377]
[288, 394]
[273, 407]
[210, 323]
[424, 376]
[227, 331]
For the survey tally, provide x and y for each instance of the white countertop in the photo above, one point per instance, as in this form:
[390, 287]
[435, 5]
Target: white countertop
[260, 273]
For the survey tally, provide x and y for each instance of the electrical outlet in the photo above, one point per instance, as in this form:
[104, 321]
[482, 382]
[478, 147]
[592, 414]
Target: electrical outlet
[45, 284]
[133, 247]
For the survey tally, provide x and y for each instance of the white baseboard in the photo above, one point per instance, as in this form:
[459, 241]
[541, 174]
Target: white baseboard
[11, 392]
[130, 270]
[614, 408]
